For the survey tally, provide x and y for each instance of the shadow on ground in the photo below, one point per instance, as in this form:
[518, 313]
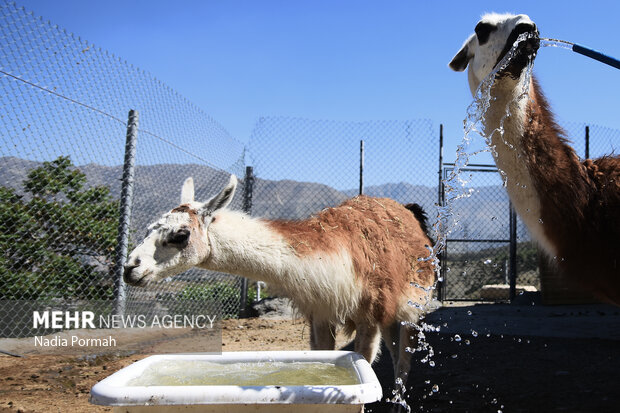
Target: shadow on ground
[514, 358]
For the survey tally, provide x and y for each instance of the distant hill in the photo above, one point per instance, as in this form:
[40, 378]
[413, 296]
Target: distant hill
[157, 189]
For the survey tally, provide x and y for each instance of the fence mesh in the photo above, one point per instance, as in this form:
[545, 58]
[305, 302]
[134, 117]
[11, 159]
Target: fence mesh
[476, 261]
[305, 165]
[63, 113]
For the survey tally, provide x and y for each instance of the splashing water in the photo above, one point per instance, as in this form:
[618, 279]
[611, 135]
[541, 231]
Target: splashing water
[456, 188]
[455, 185]
[456, 182]
[398, 395]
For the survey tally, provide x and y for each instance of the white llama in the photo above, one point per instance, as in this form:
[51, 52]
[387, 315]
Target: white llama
[360, 265]
[572, 208]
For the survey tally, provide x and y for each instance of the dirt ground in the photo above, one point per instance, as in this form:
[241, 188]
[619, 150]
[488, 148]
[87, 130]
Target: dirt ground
[478, 371]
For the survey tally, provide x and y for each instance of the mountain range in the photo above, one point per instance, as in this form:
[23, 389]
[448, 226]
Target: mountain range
[483, 215]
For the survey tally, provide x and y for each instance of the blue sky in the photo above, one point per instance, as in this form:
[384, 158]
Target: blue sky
[341, 60]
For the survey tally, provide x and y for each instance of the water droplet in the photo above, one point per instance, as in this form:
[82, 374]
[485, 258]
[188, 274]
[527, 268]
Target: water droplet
[467, 342]
[540, 220]
[457, 338]
[435, 388]
[474, 333]
[454, 356]
[469, 312]
[431, 363]
[487, 262]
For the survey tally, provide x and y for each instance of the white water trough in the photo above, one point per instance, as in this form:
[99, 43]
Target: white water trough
[270, 381]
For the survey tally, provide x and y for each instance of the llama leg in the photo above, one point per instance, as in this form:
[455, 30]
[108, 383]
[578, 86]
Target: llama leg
[322, 335]
[367, 340]
[391, 339]
[408, 342]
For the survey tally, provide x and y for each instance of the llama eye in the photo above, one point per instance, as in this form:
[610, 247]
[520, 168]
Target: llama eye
[483, 31]
[178, 238]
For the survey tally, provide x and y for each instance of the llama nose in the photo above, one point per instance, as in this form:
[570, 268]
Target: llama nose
[128, 268]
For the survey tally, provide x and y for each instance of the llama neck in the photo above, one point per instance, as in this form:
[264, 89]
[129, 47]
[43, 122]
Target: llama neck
[532, 154]
[251, 248]
[245, 246]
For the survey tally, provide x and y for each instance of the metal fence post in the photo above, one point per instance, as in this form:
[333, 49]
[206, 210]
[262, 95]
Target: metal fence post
[513, 253]
[126, 201]
[248, 187]
[362, 167]
[587, 142]
[440, 196]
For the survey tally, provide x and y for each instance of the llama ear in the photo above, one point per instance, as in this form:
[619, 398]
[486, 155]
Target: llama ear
[187, 191]
[461, 59]
[222, 199]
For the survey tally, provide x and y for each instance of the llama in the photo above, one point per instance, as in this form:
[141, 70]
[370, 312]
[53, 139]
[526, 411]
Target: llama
[572, 208]
[360, 265]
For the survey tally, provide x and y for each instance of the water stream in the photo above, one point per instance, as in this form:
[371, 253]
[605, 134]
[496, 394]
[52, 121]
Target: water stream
[456, 187]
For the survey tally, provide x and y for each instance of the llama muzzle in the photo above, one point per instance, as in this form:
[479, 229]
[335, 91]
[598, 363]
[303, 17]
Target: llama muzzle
[525, 51]
[128, 275]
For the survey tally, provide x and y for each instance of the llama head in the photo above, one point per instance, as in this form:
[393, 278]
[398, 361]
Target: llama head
[494, 36]
[179, 240]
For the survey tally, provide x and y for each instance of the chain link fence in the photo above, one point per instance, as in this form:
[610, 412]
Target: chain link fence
[63, 119]
[592, 141]
[476, 262]
[399, 162]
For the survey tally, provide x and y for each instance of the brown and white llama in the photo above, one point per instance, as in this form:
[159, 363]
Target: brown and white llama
[571, 207]
[360, 265]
